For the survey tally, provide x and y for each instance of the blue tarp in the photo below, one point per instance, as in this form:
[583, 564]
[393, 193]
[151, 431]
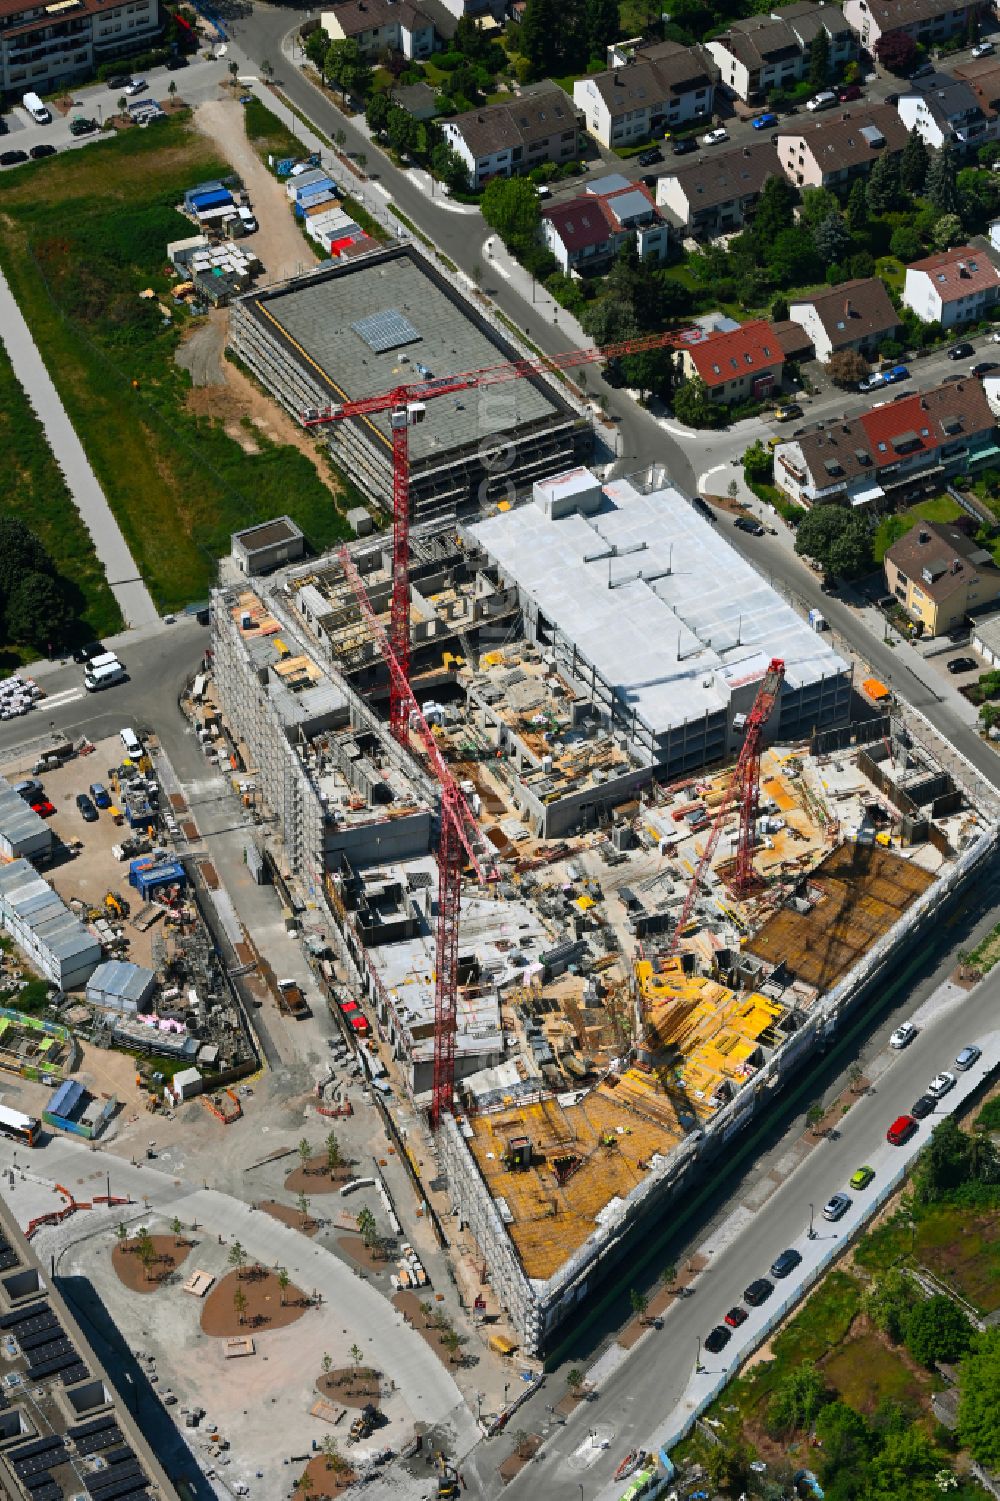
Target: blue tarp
[214, 199]
[67, 1098]
[147, 874]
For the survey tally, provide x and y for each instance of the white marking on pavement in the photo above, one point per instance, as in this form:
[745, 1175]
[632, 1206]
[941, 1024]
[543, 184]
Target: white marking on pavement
[68, 696]
[715, 470]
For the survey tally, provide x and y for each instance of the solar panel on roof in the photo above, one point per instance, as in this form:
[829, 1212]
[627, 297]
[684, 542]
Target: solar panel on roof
[386, 330]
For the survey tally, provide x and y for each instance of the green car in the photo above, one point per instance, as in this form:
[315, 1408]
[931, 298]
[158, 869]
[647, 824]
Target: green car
[862, 1177]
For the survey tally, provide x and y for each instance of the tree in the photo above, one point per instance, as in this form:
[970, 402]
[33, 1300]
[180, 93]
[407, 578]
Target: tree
[451, 1342]
[887, 1302]
[639, 1303]
[774, 212]
[857, 207]
[377, 112]
[449, 167]
[669, 1274]
[147, 1255]
[797, 1399]
[941, 186]
[832, 238]
[172, 87]
[837, 538]
[574, 1380]
[346, 66]
[121, 1231]
[779, 309]
[37, 612]
[845, 1436]
[428, 1313]
[357, 1355]
[904, 1460]
[237, 1257]
[315, 46]
[305, 1152]
[913, 164]
[792, 258]
[846, 367]
[896, 51]
[240, 1303]
[695, 408]
[951, 1159]
[334, 1156]
[283, 1282]
[327, 1363]
[601, 22]
[947, 232]
[937, 1329]
[542, 25]
[267, 69]
[177, 1228]
[882, 189]
[305, 1480]
[122, 104]
[727, 1465]
[819, 59]
[234, 69]
[303, 1207]
[905, 243]
[816, 1110]
[817, 204]
[401, 129]
[979, 1400]
[510, 206]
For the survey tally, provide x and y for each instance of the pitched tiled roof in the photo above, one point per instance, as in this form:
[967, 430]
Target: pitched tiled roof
[943, 557]
[888, 14]
[982, 74]
[760, 39]
[851, 137]
[356, 16]
[544, 112]
[753, 346]
[654, 76]
[739, 173]
[855, 310]
[957, 272]
[579, 223]
[843, 451]
[793, 338]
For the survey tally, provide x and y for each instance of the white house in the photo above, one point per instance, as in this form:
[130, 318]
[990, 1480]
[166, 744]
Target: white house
[501, 139]
[379, 24]
[769, 52]
[954, 287]
[42, 46]
[657, 88]
[945, 109]
[926, 21]
[856, 315]
[587, 231]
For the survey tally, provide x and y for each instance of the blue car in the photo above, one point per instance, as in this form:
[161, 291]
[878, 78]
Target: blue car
[100, 794]
[765, 122]
[897, 373]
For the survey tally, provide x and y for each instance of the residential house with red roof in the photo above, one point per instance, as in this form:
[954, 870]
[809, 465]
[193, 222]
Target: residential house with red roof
[953, 287]
[898, 448]
[739, 364]
[587, 231]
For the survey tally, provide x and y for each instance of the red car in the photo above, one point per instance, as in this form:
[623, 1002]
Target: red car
[736, 1316]
[360, 1024]
[847, 92]
[43, 808]
[901, 1130]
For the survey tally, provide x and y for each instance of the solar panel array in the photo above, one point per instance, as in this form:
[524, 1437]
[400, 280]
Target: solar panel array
[387, 330]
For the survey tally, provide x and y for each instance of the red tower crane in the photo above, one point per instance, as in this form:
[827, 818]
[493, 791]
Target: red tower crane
[744, 784]
[458, 839]
[406, 405]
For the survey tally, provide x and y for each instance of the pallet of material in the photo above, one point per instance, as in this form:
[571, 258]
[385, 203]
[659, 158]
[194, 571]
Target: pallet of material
[327, 1412]
[198, 1283]
[240, 1344]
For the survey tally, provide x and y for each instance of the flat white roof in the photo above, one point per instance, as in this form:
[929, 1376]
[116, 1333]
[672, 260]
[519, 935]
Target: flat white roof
[656, 600]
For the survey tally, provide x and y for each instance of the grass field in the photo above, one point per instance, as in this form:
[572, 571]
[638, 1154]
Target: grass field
[80, 236]
[33, 489]
[866, 1371]
[962, 1247]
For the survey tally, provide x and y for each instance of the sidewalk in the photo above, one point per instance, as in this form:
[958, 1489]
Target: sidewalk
[134, 599]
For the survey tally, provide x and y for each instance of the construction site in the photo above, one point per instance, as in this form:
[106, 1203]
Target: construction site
[605, 854]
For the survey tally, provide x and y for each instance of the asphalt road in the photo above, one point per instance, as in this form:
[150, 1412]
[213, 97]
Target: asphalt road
[637, 1397]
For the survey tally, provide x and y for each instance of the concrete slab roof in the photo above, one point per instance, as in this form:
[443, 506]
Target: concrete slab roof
[672, 619]
[317, 317]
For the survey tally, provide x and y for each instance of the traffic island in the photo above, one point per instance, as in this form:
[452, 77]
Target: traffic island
[314, 1176]
[325, 1477]
[145, 1262]
[252, 1300]
[351, 1386]
[290, 1216]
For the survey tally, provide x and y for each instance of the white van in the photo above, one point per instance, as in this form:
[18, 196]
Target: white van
[104, 677]
[132, 744]
[248, 221]
[106, 659]
[36, 109]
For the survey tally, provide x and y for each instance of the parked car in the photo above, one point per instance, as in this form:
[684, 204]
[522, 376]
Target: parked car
[785, 1264]
[847, 92]
[861, 1177]
[42, 807]
[12, 158]
[787, 412]
[82, 126]
[647, 158]
[962, 664]
[715, 137]
[758, 1292]
[901, 1130]
[746, 524]
[825, 99]
[717, 1339]
[119, 80]
[983, 49]
[135, 86]
[968, 1057]
[86, 807]
[29, 789]
[903, 1035]
[982, 367]
[177, 61]
[923, 70]
[960, 351]
[685, 147]
[941, 1083]
[837, 1207]
[764, 122]
[896, 374]
[38, 152]
[100, 794]
[923, 1107]
[83, 654]
[736, 1316]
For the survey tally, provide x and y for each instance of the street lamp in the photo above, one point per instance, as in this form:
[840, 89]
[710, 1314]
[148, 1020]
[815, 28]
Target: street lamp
[812, 1232]
[698, 1367]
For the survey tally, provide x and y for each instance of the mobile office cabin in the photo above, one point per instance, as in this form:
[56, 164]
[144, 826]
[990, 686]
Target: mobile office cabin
[36, 109]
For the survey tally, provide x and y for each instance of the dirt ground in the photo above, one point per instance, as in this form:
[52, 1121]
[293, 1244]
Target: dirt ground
[359, 1252]
[289, 1215]
[409, 1306]
[169, 1255]
[264, 1308]
[315, 1177]
[323, 1483]
[349, 1387]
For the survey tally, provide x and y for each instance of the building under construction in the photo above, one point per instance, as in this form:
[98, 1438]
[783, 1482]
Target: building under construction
[351, 330]
[617, 1021]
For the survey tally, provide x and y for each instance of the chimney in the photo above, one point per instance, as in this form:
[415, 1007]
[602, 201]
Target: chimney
[848, 310]
[923, 404]
[746, 150]
[923, 537]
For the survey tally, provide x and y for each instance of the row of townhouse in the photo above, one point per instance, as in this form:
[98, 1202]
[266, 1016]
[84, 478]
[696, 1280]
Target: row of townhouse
[767, 53]
[43, 46]
[539, 126]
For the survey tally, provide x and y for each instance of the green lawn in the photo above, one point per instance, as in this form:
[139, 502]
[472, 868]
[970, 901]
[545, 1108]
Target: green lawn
[267, 134]
[80, 236]
[866, 1371]
[891, 271]
[936, 508]
[33, 489]
[962, 1247]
